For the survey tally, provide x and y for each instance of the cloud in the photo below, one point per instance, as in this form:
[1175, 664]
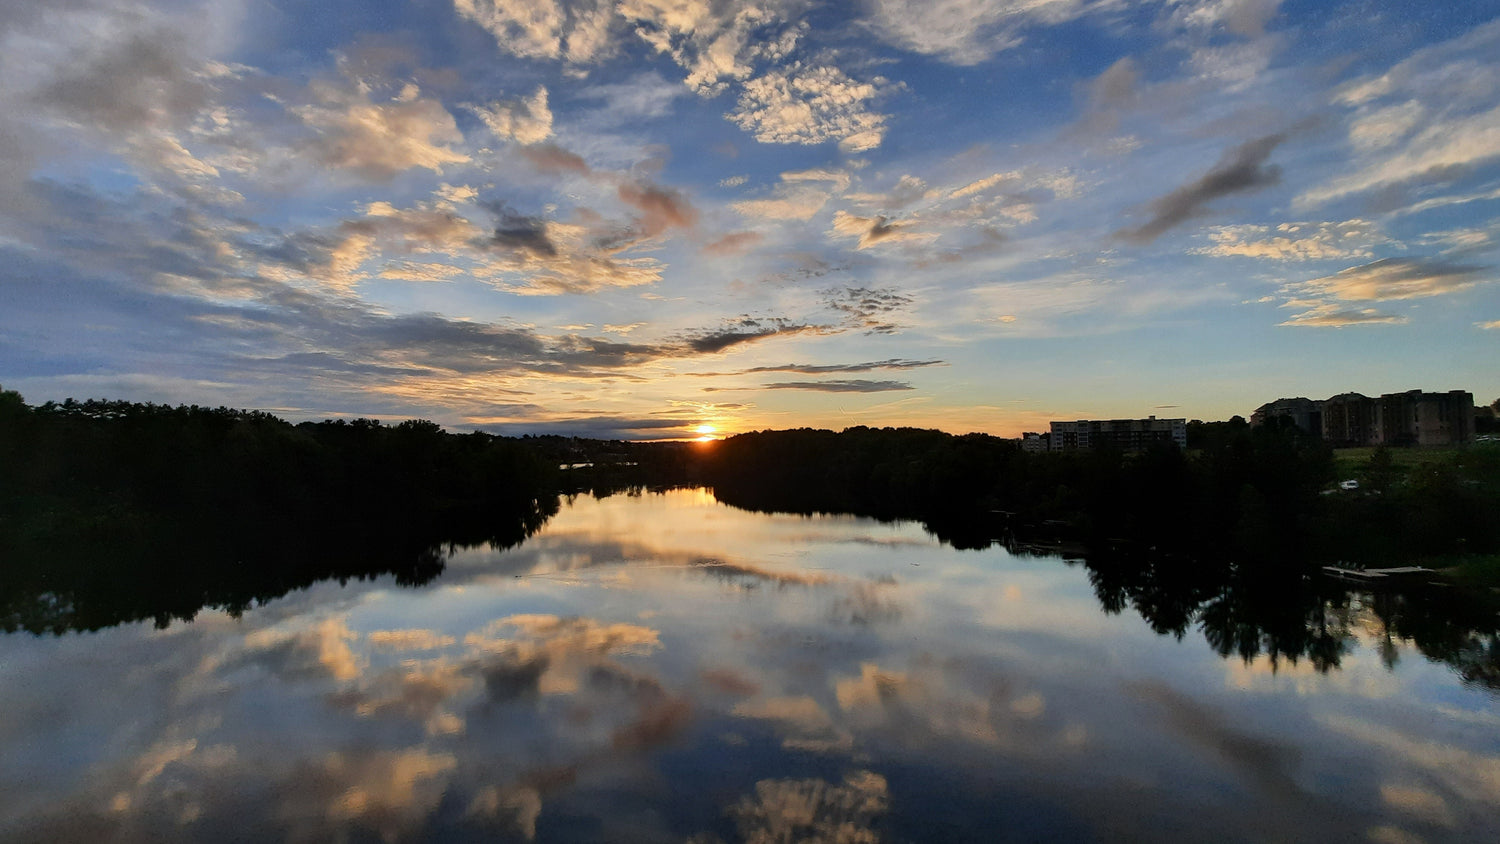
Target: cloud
[875, 230]
[127, 85]
[409, 640]
[1441, 151]
[1332, 316]
[523, 234]
[822, 369]
[577, 31]
[734, 243]
[716, 44]
[380, 139]
[813, 810]
[551, 158]
[525, 121]
[1393, 278]
[907, 190]
[745, 329]
[840, 386]
[785, 203]
[867, 307]
[1240, 170]
[807, 105]
[1116, 86]
[660, 208]
[1426, 121]
[643, 97]
[1492, 325]
[964, 32]
[1303, 241]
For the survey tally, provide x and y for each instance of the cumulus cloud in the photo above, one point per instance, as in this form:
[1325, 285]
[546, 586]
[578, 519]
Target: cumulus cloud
[715, 44]
[526, 121]
[577, 30]
[801, 104]
[1240, 170]
[1302, 241]
[380, 139]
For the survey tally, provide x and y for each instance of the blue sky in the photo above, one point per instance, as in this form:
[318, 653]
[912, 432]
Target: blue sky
[634, 218]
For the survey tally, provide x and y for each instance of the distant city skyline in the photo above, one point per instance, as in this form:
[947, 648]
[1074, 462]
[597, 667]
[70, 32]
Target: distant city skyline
[663, 219]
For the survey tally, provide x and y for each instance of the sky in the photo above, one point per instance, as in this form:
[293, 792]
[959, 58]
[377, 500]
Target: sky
[637, 218]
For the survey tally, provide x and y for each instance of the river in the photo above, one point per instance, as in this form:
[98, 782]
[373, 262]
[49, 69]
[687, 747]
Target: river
[663, 667]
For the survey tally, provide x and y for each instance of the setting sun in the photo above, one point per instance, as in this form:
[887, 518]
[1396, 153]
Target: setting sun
[705, 429]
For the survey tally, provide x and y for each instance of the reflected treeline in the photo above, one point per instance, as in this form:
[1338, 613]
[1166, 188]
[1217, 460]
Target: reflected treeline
[113, 511]
[1249, 491]
[1227, 537]
[1288, 617]
[1261, 495]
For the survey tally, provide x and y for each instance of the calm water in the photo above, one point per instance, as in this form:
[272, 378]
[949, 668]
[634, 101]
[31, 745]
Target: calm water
[666, 668]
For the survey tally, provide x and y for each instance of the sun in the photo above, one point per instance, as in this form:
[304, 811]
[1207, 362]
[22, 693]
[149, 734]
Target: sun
[705, 429]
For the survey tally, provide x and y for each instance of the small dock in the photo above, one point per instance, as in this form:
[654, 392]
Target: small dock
[1392, 574]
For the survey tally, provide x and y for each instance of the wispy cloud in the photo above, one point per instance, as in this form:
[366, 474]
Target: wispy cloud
[1394, 278]
[829, 368]
[1332, 316]
[830, 386]
[1240, 170]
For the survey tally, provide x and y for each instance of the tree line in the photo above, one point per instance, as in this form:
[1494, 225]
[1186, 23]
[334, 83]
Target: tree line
[1264, 495]
[115, 511]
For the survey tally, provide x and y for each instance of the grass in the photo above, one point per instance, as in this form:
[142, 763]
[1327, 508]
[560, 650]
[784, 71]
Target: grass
[1348, 462]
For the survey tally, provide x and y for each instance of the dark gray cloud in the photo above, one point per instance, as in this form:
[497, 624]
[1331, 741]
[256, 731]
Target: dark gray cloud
[840, 386]
[866, 307]
[823, 369]
[834, 386]
[1240, 170]
[600, 428]
[519, 232]
[128, 85]
[745, 329]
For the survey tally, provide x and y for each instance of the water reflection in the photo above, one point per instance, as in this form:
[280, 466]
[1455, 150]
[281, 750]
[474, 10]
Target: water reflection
[664, 668]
